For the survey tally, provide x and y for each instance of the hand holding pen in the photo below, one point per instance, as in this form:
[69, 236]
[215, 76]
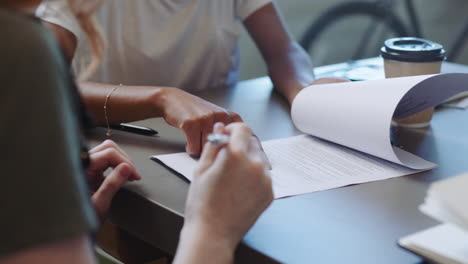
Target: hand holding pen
[222, 139]
[231, 187]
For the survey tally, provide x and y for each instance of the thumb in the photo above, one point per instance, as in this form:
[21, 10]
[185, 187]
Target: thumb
[210, 151]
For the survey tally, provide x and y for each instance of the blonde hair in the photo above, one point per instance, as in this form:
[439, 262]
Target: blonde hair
[84, 12]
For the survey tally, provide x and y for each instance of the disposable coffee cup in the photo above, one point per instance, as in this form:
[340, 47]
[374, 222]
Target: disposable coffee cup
[409, 57]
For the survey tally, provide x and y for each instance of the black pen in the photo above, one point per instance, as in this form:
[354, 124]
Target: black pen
[146, 131]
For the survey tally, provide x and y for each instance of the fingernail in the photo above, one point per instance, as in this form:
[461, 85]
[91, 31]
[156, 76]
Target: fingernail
[195, 156]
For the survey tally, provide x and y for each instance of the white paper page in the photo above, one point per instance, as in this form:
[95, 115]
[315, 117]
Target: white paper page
[436, 209]
[453, 194]
[355, 114]
[444, 244]
[180, 162]
[305, 164]
[358, 114]
[458, 103]
[431, 92]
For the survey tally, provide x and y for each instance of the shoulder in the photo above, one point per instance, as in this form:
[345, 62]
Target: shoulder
[32, 63]
[25, 40]
[19, 30]
[244, 8]
[28, 48]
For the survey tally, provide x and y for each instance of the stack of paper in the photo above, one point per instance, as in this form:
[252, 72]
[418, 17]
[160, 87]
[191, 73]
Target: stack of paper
[347, 127]
[446, 201]
[459, 101]
[304, 164]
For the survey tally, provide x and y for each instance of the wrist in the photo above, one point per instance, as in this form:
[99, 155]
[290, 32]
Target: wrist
[292, 93]
[201, 244]
[158, 100]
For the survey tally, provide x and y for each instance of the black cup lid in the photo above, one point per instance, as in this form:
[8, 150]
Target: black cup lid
[412, 50]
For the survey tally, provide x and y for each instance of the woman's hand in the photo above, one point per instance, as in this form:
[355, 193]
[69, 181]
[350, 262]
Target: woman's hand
[318, 82]
[103, 188]
[230, 189]
[194, 116]
[328, 80]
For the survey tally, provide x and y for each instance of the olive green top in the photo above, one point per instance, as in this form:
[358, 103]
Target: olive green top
[44, 196]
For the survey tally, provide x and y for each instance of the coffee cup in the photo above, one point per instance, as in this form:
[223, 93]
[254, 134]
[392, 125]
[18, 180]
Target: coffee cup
[408, 57]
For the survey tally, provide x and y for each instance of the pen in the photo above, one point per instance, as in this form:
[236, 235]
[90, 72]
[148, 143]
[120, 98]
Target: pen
[222, 139]
[218, 139]
[146, 131]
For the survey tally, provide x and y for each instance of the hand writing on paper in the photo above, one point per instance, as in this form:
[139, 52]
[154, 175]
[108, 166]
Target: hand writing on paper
[230, 189]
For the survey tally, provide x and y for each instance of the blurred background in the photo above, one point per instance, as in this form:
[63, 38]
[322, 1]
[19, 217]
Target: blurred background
[441, 21]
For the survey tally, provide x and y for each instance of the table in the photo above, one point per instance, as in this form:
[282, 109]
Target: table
[359, 223]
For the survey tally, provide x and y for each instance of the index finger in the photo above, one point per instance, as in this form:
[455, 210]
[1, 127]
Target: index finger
[193, 133]
[102, 160]
[106, 144]
[235, 117]
[240, 136]
[210, 151]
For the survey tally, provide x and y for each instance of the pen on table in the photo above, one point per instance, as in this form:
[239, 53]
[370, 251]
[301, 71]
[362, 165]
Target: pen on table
[146, 131]
[222, 139]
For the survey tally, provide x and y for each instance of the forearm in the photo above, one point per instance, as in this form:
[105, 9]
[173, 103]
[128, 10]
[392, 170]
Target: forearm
[198, 246]
[290, 71]
[124, 104]
[289, 66]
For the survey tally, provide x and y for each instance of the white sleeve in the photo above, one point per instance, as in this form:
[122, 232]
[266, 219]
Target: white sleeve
[244, 8]
[58, 12]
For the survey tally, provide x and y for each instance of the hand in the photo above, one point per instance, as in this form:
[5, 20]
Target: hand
[293, 93]
[230, 189]
[103, 188]
[328, 80]
[194, 116]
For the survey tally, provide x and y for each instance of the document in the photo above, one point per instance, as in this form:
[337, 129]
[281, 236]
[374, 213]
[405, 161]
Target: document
[460, 101]
[444, 243]
[446, 201]
[359, 114]
[346, 134]
[304, 164]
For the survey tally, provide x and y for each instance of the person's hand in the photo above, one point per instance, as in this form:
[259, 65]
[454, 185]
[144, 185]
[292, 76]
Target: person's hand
[295, 92]
[328, 80]
[103, 188]
[194, 116]
[230, 189]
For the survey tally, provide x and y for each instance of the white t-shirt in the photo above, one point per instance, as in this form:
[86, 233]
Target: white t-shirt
[188, 44]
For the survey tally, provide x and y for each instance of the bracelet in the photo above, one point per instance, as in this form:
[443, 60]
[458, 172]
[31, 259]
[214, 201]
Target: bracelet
[109, 130]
